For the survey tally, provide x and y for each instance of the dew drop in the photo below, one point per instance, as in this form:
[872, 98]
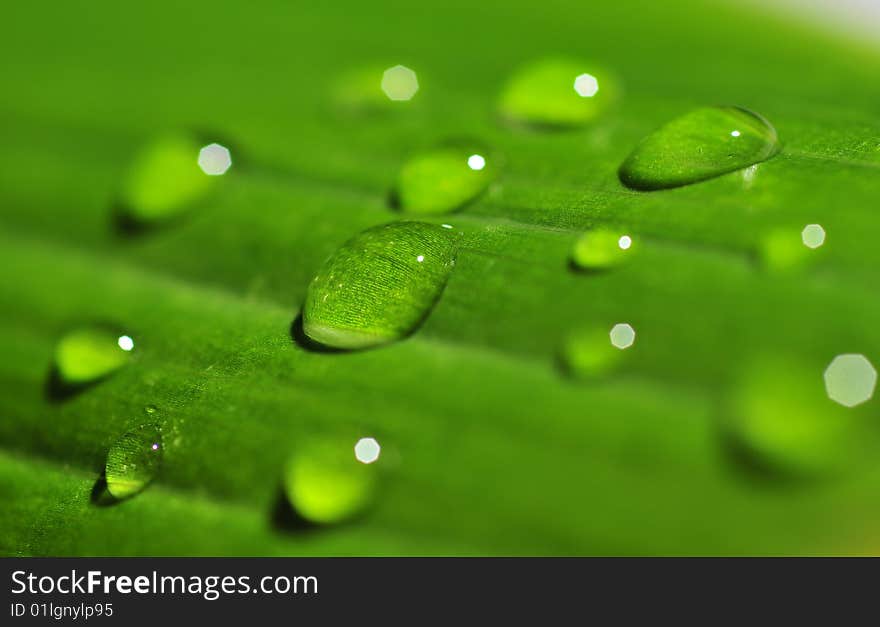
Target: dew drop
[779, 416]
[588, 353]
[602, 248]
[168, 177]
[400, 83]
[133, 461]
[622, 335]
[326, 484]
[90, 353]
[813, 235]
[367, 450]
[699, 145]
[556, 93]
[375, 288]
[442, 180]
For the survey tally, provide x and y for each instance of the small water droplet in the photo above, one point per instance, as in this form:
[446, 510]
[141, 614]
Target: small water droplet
[133, 461]
[386, 290]
[588, 353]
[699, 145]
[556, 93]
[325, 484]
[400, 83]
[602, 248]
[850, 380]
[89, 353]
[167, 178]
[779, 415]
[442, 180]
[782, 249]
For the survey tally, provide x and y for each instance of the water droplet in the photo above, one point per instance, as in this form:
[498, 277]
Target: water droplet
[133, 461]
[214, 159]
[779, 415]
[166, 179]
[326, 484]
[442, 180]
[622, 335]
[90, 353]
[588, 353]
[813, 235]
[400, 83]
[556, 93]
[850, 380]
[601, 248]
[150, 410]
[367, 450]
[782, 249]
[374, 289]
[699, 145]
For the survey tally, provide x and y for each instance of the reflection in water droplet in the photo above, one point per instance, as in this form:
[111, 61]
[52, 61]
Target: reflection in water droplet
[850, 380]
[780, 416]
[133, 461]
[164, 181]
[400, 83]
[374, 289]
[367, 450]
[556, 93]
[699, 145]
[441, 181]
[588, 353]
[622, 335]
[214, 159]
[325, 484]
[90, 353]
[601, 248]
[813, 235]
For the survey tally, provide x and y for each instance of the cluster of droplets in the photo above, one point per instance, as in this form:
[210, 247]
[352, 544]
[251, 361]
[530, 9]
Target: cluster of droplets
[381, 285]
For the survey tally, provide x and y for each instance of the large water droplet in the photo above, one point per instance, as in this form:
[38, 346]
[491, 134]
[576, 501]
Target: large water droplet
[850, 380]
[379, 286]
[702, 144]
[556, 93]
[602, 248]
[133, 461]
[442, 180]
[87, 354]
[168, 177]
[325, 483]
[780, 416]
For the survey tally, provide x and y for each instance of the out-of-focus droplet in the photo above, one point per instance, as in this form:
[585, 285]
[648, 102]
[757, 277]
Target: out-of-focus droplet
[379, 286]
[622, 335]
[699, 145]
[214, 159]
[602, 248]
[89, 353]
[325, 484]
[556, 93]
[813, 235]
[588, 353]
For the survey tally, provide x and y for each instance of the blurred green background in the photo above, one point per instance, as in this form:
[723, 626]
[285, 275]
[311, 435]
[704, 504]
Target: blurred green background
[713, 435]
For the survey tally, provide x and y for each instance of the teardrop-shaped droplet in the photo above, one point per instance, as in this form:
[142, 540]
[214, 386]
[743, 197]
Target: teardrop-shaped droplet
[602, 248]
[133, 461]
[699, 145]
[589, 353]
[168, 177]
[780, 415]
[379, 286]
[443, 180]
[325, 483]
[556, 93]
[89, 353]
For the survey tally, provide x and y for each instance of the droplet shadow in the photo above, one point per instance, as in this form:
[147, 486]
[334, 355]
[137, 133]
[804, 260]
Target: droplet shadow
[286, 519]
[57, 390]
[100, 496]
[299, 337]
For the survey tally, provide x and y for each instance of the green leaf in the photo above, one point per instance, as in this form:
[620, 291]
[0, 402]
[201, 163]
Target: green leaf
[489, 447]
